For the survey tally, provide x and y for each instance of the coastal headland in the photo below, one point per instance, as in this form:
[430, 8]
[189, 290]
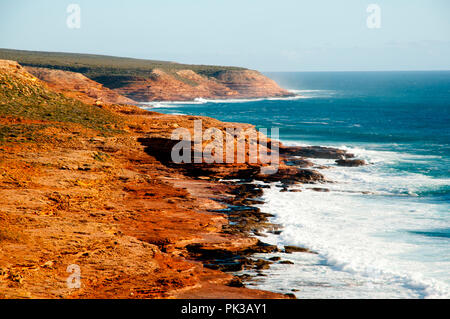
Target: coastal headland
[86, 179]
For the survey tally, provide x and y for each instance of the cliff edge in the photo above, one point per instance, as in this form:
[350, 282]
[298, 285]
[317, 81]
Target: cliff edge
[125, 80]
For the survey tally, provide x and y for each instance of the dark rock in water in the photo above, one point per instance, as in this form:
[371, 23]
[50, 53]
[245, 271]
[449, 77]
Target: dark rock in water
[261, 264]
[300, 162]
[258, 264]
[244, 277]
[274, 228]
[292, 174]
[261, 247]
[351, 163]
[286, 182]
[246, 220]
[295, 190]
[294, 249]
[284, 189]
[274, 258]
[236, 282]
[286, 262]
[275, 232]
[319, 189]
[309, 176]
[247, 190]
[315, 152]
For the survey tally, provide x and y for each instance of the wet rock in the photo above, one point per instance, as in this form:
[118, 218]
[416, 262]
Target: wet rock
[234, 260]
[261, 247]
[315, 152]
[246, 219]
[299, 162]
[244, 277]
[262, 264]
[276, 258]
[258, 264]
[290, 175]
[236, 282]
[292, 249]
[225, 266]
[351, 163]
[286, 262]
[320, 189]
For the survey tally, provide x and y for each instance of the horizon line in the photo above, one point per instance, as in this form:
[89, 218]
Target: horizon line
[348, 71]
[225, 65]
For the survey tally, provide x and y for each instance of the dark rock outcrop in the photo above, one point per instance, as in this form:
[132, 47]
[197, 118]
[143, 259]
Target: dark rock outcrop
[296, 249]
[315, 152]
[351, 163]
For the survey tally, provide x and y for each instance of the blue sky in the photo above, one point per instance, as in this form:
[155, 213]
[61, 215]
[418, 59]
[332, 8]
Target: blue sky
[282, 35]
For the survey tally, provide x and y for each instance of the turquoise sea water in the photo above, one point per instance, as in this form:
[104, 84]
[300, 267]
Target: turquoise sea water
[392, 241]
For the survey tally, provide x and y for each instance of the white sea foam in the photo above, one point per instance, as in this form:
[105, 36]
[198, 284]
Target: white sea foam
[365, 245]
[199, 101]
[308, 94]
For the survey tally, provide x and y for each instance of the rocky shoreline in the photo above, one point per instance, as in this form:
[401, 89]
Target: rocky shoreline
[241, 187]
[94, 186]
[244, 219]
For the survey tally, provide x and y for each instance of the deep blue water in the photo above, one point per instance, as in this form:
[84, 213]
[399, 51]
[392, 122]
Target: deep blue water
[398, 121]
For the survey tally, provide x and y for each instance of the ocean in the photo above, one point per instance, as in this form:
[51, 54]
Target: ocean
[383, 230]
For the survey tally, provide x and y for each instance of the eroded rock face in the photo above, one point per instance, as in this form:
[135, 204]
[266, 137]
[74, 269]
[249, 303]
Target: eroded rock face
[249, 83]
[101, 202]
[187, 85]
[78, 86]
[136, 217]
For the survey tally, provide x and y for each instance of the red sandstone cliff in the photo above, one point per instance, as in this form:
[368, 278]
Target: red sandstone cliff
[78, 86]
[74, 191]
[183, 85]
[116, 80]
[188, 85]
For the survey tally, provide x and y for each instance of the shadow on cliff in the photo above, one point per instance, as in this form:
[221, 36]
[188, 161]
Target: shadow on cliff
[161, 149]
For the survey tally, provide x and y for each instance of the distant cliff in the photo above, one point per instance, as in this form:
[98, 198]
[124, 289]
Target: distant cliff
[124, 79]
[188, 85]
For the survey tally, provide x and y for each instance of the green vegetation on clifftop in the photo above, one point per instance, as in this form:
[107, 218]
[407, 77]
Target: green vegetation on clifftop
[24, 97]
[95, 66]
